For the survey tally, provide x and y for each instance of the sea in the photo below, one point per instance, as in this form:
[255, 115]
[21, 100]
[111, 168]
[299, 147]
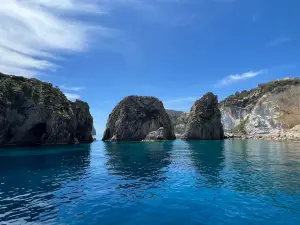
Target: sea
[176, 182]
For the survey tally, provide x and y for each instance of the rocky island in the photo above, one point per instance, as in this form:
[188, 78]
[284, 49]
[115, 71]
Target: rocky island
[138, 118]
[204, 120]
[36, 113]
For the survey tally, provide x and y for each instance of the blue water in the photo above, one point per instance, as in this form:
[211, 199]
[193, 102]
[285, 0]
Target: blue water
[199, 182]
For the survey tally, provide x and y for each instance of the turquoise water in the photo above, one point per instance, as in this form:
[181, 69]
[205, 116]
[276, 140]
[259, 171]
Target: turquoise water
[199, 182]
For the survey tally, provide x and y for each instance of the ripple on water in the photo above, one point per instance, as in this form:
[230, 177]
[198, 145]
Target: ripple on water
[178, 182]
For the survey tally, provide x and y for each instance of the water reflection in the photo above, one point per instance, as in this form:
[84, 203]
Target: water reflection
[208, 159]
[139, 166]
[268, 162]
[34, 182]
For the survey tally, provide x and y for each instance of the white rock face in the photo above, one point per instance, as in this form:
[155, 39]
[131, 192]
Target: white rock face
[179, 120]
[263, 113]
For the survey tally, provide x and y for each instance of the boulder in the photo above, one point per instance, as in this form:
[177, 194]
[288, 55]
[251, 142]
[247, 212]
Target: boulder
[204, 120]
[135, 117]
[157, 135]
[34, 112]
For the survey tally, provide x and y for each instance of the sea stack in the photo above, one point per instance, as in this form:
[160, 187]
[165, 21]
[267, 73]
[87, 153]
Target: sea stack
[36, 113]
[204, 120]
[135, 118]
[83, 121]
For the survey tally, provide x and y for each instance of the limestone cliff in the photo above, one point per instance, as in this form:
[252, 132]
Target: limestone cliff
[179, 120]
[34, 112]
[204, 120]
[269, 109]
[137, 116]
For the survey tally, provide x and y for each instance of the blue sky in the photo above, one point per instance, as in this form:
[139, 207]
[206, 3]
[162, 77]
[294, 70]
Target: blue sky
[103, 50]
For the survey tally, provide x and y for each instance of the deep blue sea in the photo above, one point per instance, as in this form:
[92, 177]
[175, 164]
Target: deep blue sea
[177, 182]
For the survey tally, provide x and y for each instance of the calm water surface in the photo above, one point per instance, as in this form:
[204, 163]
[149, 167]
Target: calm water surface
[199, 182]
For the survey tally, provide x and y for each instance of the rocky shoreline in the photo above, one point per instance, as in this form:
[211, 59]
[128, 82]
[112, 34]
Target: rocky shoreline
[291, 135]
[33, 112]
[269, 112]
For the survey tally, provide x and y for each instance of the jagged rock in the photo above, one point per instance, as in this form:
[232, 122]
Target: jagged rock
[94, 131]
[267, 110]
[83, 121]
[157, 135]
[135, 117]
[34, 112]
[179, 120]
[204, 120]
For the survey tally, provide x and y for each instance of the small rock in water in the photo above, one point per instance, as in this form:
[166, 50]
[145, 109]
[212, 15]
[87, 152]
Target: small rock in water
[157, 135]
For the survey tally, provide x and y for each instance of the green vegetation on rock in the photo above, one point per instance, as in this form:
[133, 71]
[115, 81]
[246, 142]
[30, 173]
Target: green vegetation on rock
[240, 128]
[35, 112]
[246, 98]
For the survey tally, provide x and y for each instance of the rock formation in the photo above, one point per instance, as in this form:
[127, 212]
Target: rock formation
[83, 121]
[135, 117]
[94, 132]
[204, 120]
[34, 112]
[157, 135]
[179, 120]
[267, 110]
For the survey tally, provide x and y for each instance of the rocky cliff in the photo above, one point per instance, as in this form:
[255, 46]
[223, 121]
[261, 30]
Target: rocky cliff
[137, 116]
[269, 109]
[34, 112]
[204, 120]
[179, 120]
[94, 132]
[83, 121]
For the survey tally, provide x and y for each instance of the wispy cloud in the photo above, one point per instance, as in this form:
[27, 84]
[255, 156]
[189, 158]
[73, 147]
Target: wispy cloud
[238, 77]
[34, 31]
[71, 96]
[184, 103]
[165, 12]
[279, 41]
[70, 88]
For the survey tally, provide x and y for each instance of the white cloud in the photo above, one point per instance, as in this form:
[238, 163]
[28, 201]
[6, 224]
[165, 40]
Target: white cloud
[71, 96]
[69, 88]
[237, 77]
[180, 103]
[34, 32]
[279, 41]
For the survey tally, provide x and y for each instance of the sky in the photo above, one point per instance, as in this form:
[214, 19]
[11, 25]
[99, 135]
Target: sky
[100, 51]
